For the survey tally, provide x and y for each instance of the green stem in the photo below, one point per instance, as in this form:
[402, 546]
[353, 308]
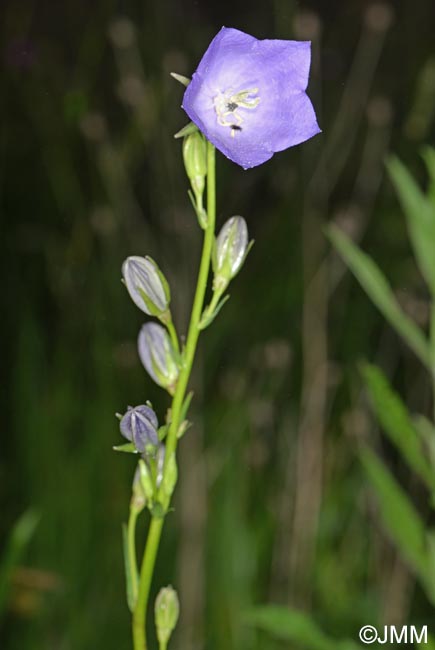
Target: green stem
[131, 541]
[173, 335]
[217, 295]
[156, 525]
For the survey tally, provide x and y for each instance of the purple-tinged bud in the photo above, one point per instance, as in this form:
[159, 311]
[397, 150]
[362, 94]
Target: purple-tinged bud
[167, 610]
[158, 355]
[146, 285]
[139, 425]
[230, 252]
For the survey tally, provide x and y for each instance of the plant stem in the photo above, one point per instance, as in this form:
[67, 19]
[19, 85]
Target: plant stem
[132, 557]
[173, 335]
[156, 525]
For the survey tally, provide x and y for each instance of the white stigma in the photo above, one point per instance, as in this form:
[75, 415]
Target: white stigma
[227, 106]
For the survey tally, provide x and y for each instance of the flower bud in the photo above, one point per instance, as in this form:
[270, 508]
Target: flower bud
[158, 355]
[146, 285]
[146, 480]
[170, 476]
[230, 251]
[138, 497]
[167, 610]
[195, 160]
[139, 425]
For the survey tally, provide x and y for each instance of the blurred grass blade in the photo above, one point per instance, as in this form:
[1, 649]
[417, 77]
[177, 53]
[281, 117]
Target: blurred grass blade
[295, 627]
[377, 287]
[426, 430]
[401, 520]
[420, 217]
[19, 538]
[395, 420]
[428, 154]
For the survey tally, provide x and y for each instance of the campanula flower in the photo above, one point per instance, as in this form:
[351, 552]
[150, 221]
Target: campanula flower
[248, 96]
[139, 425]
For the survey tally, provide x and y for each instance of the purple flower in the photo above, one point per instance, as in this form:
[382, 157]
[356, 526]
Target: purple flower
[139, 425]
[248, 96]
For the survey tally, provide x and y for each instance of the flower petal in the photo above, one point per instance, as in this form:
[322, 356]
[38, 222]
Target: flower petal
[248, 96]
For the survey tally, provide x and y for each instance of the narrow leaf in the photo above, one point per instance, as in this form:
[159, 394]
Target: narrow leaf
[128, 448]
[402, 522]
[420, 217]
[295, 627]
[208, 318]
[186, 130]
[395, 420]
[378, 289]
[19, 538]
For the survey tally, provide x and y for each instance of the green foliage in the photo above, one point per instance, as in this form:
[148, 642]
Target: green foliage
[295, 627]
[419, 212]
[19, 538]
[397, 424]
[379, 290]
[400, 518]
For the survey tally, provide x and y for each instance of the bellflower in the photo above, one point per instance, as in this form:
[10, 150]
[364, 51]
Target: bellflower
[248, 96]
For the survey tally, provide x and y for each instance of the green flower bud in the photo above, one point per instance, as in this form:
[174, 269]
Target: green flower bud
[167, 609]
[195, 161]
[230, 251]
[138, 497]
[158, 355]
[146, 285]
[170, 476]
[146, 481]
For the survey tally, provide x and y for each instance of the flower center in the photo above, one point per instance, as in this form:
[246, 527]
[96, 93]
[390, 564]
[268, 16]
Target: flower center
[227, 106]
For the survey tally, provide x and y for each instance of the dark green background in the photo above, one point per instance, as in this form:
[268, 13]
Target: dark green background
[272, 505]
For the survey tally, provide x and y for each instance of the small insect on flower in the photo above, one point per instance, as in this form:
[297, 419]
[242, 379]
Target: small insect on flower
[248, 96]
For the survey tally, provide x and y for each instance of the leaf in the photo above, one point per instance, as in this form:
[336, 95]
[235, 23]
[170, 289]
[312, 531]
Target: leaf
[420, 217]
[186, 405]
[128, 448]
[129, 579]
[378, 289]
[294, 626]
[201, 214]
[208, 318]
[427, 432]
[401, 520]
[395, 420]
[19, 538]
[428, 154]
[186, 130]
